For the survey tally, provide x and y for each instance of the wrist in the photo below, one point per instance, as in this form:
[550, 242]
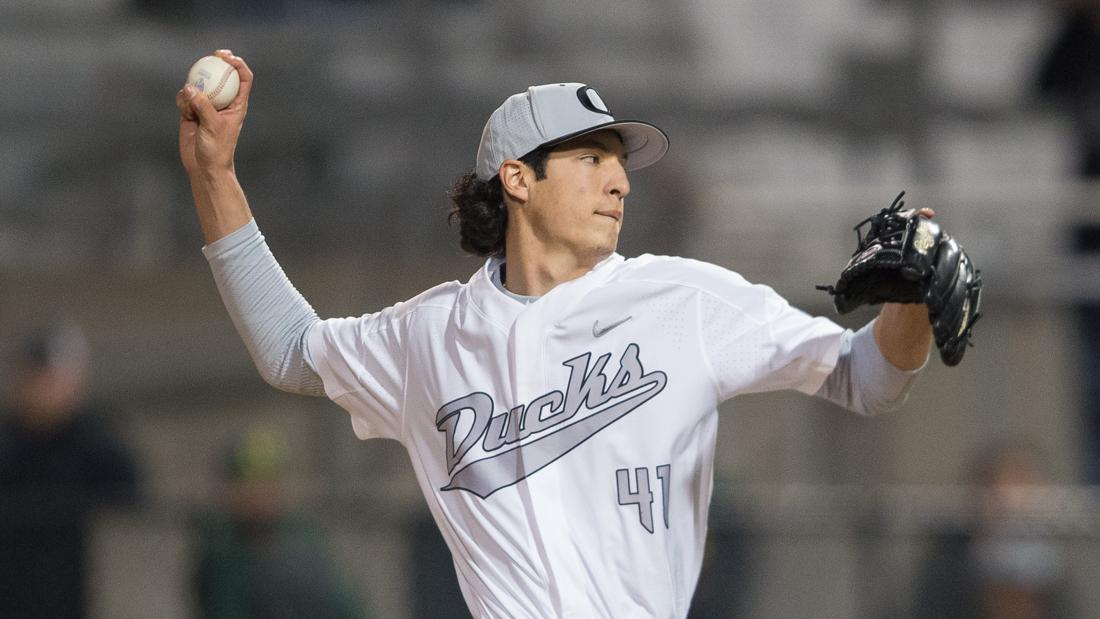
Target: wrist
[903, 334]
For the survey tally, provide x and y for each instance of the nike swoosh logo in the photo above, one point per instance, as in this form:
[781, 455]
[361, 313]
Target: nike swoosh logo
[486, 476]
[597, 331]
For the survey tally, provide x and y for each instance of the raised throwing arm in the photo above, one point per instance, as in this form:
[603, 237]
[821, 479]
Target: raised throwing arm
[208, 143]
[271, 316]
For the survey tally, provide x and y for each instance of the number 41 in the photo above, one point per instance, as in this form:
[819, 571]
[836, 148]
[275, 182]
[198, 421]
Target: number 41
[641, 495]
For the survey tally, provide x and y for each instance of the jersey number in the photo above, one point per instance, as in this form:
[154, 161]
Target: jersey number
[641, 495]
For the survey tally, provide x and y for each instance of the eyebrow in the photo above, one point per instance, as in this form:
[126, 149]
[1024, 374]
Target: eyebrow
[593, 143]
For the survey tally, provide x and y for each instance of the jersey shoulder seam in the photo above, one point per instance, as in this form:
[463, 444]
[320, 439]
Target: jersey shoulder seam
[411, 315]
[389, 326]
[715, 383]
[702, 290]
[699, 264]
[402, 314]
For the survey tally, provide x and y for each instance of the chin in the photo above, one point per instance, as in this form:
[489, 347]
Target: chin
[603, 250]
[595, 249]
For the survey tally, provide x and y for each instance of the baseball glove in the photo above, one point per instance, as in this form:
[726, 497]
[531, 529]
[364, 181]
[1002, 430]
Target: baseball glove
[907, 258]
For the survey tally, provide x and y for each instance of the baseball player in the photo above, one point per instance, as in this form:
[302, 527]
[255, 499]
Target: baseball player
[560, 407]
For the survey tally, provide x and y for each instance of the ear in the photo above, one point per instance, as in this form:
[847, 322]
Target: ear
[515, 180]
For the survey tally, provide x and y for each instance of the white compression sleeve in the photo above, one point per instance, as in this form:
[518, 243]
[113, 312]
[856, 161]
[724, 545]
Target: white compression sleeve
[863, 380]
[271, 316]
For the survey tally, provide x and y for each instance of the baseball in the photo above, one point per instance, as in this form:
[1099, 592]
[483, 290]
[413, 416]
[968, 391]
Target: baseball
[215, 78]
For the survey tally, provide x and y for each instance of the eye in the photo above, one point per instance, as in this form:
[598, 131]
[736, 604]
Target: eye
[591, 158]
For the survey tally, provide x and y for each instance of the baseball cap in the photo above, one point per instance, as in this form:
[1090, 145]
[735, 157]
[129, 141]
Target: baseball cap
[550, 114]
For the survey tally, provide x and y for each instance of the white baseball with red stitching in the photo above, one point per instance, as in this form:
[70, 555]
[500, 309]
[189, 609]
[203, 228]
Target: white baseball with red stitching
[215, 78]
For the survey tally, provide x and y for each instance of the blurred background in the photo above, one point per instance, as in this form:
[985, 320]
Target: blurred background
[141, 452]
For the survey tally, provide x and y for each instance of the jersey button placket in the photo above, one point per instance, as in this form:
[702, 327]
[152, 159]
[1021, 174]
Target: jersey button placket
[534, 328]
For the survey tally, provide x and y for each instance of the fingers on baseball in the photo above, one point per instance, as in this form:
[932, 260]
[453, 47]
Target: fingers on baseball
[183, 103]
[243, 71]
[202, 108]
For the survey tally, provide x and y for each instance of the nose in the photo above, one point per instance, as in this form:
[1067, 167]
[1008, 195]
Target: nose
[619, 185]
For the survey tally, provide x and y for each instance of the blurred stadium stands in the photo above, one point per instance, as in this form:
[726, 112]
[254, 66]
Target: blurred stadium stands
[790, 120]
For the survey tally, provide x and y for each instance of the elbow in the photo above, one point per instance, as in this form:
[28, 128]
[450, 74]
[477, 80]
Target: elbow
[275, 380]
[292, 375]
[288, 384]
[274, 373]
[271, 375]
[282, 364]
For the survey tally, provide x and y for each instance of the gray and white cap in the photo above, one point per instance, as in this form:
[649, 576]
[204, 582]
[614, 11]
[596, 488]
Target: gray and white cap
[554, 113]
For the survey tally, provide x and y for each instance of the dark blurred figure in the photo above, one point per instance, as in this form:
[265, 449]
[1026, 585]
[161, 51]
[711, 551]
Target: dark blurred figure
[256, 558]
[1069, 75]
[58, 464]
[434, 580]
[1003, 565]
[247, 11]
[209, 11]
[728, 563]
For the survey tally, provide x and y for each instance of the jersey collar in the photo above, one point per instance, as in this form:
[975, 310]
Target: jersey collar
[500, 308]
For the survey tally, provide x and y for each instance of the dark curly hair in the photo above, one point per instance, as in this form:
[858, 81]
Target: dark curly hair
[478, 207]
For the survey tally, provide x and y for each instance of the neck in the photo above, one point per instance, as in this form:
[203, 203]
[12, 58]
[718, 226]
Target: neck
[533, 269]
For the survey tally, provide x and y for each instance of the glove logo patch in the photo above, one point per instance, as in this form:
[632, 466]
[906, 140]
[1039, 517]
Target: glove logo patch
[922, 240]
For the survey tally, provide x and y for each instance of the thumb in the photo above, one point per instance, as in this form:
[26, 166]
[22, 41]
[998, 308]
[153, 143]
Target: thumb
[202, 106]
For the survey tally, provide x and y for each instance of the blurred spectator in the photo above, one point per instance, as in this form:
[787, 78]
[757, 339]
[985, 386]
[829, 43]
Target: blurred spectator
[433, 581]
[728, 563]
[246, 11]
[198, 11]
[255, 557]
[1070, 75]
[1070, 72]
[1002, 565]
[58, 463]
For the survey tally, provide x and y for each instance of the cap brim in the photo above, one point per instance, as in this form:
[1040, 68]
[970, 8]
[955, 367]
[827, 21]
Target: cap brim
[645, 144]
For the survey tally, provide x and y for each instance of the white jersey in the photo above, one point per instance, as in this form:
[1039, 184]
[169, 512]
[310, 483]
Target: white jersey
[565, 447]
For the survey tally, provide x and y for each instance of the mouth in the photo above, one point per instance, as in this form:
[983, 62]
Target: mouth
[615, 214]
